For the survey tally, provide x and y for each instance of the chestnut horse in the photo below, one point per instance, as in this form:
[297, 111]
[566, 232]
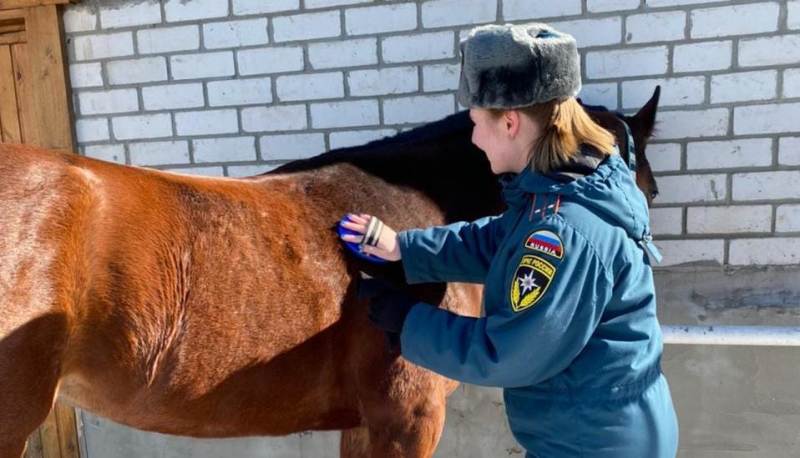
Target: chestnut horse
[216, 307]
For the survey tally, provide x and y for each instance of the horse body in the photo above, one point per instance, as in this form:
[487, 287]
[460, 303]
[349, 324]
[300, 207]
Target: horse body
[215, 307]
[194, 306]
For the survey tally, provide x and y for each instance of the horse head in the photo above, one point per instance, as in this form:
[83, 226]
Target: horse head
[640, 126]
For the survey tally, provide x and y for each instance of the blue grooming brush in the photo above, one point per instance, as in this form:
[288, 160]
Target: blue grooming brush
[353, 247]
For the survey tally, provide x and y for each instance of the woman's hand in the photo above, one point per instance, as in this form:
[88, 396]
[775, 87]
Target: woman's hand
[386, 248]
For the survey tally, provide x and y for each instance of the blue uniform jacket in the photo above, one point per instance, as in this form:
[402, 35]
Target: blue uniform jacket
[569, 327]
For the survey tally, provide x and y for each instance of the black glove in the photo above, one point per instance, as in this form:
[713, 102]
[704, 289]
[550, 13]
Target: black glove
[388, 306]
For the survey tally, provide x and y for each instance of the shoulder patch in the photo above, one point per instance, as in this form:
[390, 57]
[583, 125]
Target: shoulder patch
[531, 279]
[546, 242]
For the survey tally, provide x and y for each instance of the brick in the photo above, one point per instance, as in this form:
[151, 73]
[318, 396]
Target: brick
[660, 3]
[159, 153]
[204, 65]
[773, 118]
[343, 53]
[446, 13]
[766, 185]
[440, 77]
[325, 3]
[224, 149]
[199, 171]
[245, 7]
[276, 118]
[765, 251]
[207, 122]
[85, 75]
[249, 170]
[295, 146]
[691, 188]
[91, 130]
[787, 218]
[108, 153]
[417, 109]
[735, 20]
[791, 82]
[89, 47]
[134, 71]
[127, 15]
[181, 10]
[706, 251]
[666, 221]
[689, 90]
[310, 86]
[423, 46]
[239, 92]
[744, 86]
[234, 34]
[142, 126]
[344, 114]
[793, 15]
[382, 81]
[604, 94]
[729, 219]
[664, 157]
[173, 96]
[113, 101]
[789, 151]
[644, 28]
[602, 6]
[514, 10]
[381, 19]
[687, 124]
[784, 49]
[729, 154]
[270, 60]
[619, 62]
[593, 32]
[349, 138]
[79, 19]
[307, 26]
[165, 40]
[698, 57]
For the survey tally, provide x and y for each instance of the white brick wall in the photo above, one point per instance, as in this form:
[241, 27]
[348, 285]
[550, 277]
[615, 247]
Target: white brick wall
[237, 87]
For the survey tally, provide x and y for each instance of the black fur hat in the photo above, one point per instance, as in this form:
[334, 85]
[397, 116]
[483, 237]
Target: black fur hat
[513, 66]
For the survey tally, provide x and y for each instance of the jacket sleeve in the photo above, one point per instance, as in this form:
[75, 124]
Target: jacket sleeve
[509, 348]
[459, 252]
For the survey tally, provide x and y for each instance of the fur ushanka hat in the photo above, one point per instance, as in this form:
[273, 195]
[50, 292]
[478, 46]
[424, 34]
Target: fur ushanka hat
[513, 66]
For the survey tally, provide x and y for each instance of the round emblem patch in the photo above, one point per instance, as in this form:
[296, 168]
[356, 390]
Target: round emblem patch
[531, 280]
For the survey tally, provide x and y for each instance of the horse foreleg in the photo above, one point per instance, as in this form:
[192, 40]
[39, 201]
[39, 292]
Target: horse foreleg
[29, 373]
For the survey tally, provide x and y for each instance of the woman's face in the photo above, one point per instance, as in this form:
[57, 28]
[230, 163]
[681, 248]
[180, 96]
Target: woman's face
[504, 139]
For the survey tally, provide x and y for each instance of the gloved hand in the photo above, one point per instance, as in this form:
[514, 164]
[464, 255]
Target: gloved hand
[388, 306]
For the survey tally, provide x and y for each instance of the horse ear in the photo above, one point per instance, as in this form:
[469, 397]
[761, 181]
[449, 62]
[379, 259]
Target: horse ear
[645, 118]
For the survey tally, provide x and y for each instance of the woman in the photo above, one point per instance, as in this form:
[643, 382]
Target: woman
[570, 329]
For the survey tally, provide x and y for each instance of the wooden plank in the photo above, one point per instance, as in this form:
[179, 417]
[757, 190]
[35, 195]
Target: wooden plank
[13, 15]
[13, 37]
[51, 127]
[67, 431]
[10, 4]
[34, 449]
[49, 432]
[9, 118]
[19, 62]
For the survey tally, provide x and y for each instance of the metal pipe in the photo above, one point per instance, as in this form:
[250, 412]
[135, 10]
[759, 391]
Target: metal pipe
[781, 336]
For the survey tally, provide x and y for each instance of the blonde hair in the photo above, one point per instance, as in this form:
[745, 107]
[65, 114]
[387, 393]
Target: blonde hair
[566, 126]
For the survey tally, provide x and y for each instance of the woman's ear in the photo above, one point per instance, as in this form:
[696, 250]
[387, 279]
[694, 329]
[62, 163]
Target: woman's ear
[511, 122]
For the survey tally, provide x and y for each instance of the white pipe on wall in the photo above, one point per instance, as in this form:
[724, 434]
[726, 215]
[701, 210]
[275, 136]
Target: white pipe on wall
[782, 336]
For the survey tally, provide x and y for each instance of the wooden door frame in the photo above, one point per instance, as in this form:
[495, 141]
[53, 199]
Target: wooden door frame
[33, 31]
